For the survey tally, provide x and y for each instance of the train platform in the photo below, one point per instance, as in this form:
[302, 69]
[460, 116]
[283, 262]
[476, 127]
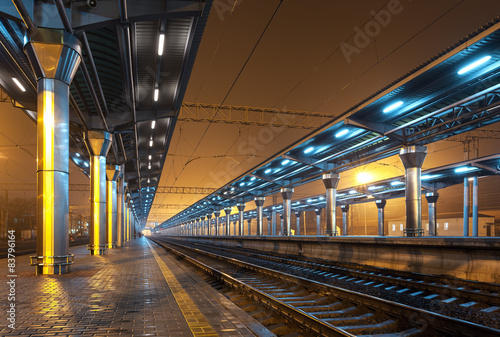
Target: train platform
[135, 290]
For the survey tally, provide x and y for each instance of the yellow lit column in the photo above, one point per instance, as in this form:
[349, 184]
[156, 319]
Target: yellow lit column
[112, 173]
[98, 143]
[54, 56]
[120, 230]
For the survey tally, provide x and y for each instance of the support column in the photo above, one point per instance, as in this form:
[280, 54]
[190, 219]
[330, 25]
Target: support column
[209, 225]
[234, 225]
[475, 207]
[98, 144]
[269, 222]
[54, 56]
[202, 226]
[259, 202]
[228, 220]
[241, 208]
[432, 198]
[331, 180]
[318, 220]
[249, 223]
[286, 194]
[345, 219]
[413, 157]
[466, 206]
[297, 219]
[274, 219]
[112, 173]
[119, 206]
[216, 213]
[380, 203]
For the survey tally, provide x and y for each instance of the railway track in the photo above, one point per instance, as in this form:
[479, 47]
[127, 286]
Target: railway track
[322, 309]
[481, 297]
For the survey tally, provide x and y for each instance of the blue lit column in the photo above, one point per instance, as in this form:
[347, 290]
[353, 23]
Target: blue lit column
[249, 223]
[297, 219]
[345, 219]
[331, 180]
[286, 194]
[259, 202]
[380, 203]
[54, 56]
[432, 198]
[209, 224]
[216, 214]
[227, 210]
[274, 219]
[466, 206]
[412, 158]
[318, 220]
[475, 207]
[241, 208]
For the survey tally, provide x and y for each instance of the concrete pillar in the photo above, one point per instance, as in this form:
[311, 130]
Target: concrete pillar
[98, 143]
[249, 226]
[120, 200]
[228, 220]
[475, 207]
[269, 221]
[286, 194]
[202, 226]
[112, 173]
[331, 180]
[345, 219]
[216, 214]
[209, 224]
[259, 202]
[54, 56]
[241, 208]
[380, 203]
[235, 219]
[432, 198]
[297, 219]
[413, 157]
[466, 206]
[274, 219]
[318, 220]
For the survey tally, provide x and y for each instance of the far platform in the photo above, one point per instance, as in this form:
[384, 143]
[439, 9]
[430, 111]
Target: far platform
[471, 258]
[135, 290]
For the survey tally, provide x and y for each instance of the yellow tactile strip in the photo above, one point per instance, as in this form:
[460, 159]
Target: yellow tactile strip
[197, 322]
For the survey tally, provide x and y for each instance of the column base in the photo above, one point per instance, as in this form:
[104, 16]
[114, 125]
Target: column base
[112, 245]
[97, 250]
[413, 232]
[52, 265]
[331, 233]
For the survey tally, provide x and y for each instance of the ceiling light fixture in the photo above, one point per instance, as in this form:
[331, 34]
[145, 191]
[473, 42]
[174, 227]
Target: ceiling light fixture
[474, 65]
[309, 149]
[161, 44]
[149, 157]
[151, 142]
[393, 106]
[153, 125]
[157, 93]
[341, 133]
[16, 81]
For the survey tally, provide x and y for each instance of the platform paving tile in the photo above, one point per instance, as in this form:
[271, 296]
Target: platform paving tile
[122, 293]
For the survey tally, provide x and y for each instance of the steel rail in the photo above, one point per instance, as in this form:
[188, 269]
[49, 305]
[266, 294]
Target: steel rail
[425, 318]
